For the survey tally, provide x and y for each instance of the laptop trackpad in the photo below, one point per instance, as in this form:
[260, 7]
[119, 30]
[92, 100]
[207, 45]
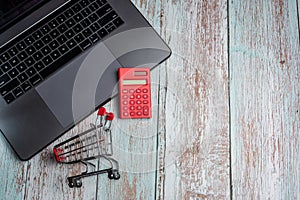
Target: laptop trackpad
[74, 92]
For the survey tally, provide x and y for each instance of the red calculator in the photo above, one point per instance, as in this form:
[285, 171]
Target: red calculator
[134, 93]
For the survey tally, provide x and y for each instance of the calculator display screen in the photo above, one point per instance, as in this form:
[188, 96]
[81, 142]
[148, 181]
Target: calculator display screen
[134, 82]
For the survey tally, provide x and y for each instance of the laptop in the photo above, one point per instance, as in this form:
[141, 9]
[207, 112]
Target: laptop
[59, 61]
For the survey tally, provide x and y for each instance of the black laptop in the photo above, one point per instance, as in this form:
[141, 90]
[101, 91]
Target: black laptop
[59, 61]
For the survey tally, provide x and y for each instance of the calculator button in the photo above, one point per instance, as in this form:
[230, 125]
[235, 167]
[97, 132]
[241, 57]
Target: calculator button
[132, 108]
[125, 108]
[139, 108]
[146, 112]
[132, 97]
[125, 113]
[125, 91]
[145, 102]
[131, 102]
[138, 96]
[138, 90]
[132, 114]
[145, 96]
[138, 102]
[125, 97]
[131, 91]
[145, 90]
[125, 102]
[139, 113]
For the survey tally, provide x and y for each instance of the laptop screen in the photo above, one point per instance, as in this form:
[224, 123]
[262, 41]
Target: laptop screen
[12, 10]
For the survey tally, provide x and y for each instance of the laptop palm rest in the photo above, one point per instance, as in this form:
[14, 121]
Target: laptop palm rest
[74, 92]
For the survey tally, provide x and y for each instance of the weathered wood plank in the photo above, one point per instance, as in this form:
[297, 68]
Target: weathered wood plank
[12, 173]
[135, 147]
[46, 179]
[194, 103]
[264, 99]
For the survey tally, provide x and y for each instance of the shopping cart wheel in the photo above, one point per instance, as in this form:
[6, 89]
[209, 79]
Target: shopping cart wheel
[75, 183]
[114, 174]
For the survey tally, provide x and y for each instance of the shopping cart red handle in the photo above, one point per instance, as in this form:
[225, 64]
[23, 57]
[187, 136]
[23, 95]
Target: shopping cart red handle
[101, 111]
[110, 116]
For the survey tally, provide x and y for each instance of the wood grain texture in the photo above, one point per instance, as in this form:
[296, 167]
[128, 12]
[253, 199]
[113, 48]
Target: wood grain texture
[264, 99]
[194, 105]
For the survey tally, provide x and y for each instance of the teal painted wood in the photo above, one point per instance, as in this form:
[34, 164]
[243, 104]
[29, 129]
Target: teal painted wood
[12, 173]
[194, 103]
[46, 179]
[264, 99]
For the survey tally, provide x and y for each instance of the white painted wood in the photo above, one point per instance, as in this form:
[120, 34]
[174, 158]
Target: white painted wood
[264, 99]
[194, 104]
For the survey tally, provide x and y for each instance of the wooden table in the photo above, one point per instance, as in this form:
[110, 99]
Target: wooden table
[225, 113]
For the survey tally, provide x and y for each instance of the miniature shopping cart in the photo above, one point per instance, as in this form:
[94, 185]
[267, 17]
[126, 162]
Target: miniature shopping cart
[95, 143]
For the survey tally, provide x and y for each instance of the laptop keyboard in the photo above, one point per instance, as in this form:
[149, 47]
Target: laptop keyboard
[44, 48]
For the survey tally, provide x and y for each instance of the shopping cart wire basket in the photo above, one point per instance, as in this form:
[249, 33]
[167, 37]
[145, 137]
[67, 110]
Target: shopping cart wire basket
[94, 143]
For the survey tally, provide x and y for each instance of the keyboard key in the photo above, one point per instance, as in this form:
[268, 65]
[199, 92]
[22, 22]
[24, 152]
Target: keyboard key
[31, 71]
[102, 33]
[87, 32]
[6, 67]
[46, 39]
[84, 3]
[59, 62]
[145, 90]
[47, 60]
[4, 79]
[139, 107]
[85, 44]
[37, 35]
[62, 28]
[54, 34]
[138, 96]
[39, 66]
[21, 46]
[132, 114]
[39, 44]
[13, 73]
[138, 91]
[118, 22]
[132, 108]
[61, 18]
[86, 12]
[9, 98]
[22, 77]
[76, 8]
[63, 49]
[14, 61]
[29, 61]
[13, 51]
[145, 96]
[111, 29]
[85, 23]
[4, 57]
[71, 43]
[105, 9]
[70, 33]
[18, 92]
[95, 27]
[35, 80]
[78, 17]
[46, 50]
[53, 45]
[30, 50]
[22, 55]
[93, 17]
[53, 24]
[45, 29]
[9, 86]
[62, 39]
[70, 23]
[26, 86]
[131, 102]
[1, 72]
[77, 28]
[21, 67]
[29, 40]
[125, 91]
[107, 18]
[125, 108]
[145, 102]
[94, 6]
[38, 56]
[79, 38]
[55, 54]
[94, 38]
[69, 13]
